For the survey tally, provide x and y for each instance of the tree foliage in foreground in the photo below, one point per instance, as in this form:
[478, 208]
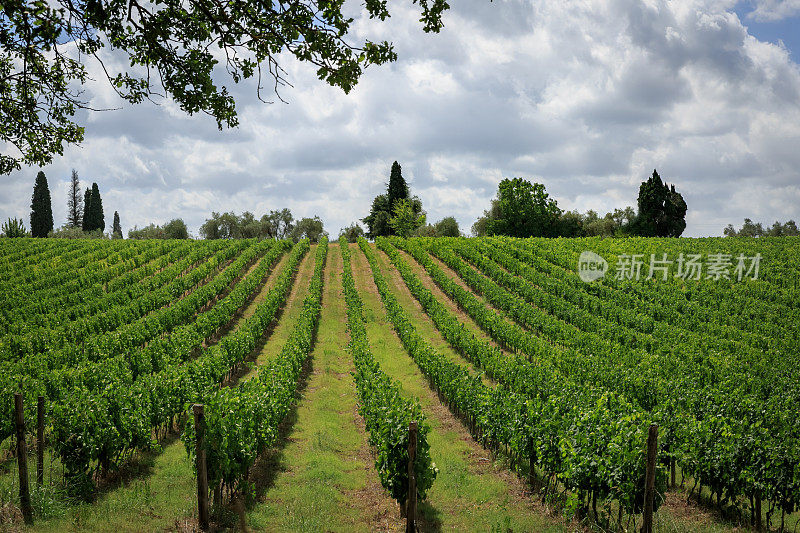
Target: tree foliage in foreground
[173, 48]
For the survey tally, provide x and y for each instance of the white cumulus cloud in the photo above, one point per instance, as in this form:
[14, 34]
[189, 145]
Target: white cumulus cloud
[586, 97]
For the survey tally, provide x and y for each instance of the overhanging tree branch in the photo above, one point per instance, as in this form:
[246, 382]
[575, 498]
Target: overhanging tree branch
[180, 40]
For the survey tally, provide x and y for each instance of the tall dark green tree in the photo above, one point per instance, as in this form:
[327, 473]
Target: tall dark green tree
[85, 217]
[662, 210]
[117, 228]
[398, 188]
[96, 217]
[41, 209]
[382, 209]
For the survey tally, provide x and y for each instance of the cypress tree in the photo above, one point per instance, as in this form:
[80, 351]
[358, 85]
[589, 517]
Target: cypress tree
[662, 210]
[117, 228]
[96, 218]
[87, 200]
[41, 210]
[74, 205]
[398, 189]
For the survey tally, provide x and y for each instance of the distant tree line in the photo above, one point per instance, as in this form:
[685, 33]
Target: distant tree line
[524, 209]
[174, 229]
[520, 209]
[277, 224]
[447, 227]
[590, 224]
[750, 229]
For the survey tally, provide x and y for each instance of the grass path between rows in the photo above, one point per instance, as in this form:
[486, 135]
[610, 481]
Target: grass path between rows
[279, 332]
[322, 476]
[471, 492]
[451, 305]
[453, 275]
[157, 490]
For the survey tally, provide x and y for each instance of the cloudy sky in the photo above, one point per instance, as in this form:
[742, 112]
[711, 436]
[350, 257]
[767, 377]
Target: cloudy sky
[587, 97]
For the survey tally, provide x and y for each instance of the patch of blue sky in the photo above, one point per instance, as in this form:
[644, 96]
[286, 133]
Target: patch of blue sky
[786, 30]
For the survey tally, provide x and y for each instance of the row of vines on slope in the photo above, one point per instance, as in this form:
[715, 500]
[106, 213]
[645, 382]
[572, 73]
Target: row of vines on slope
[707, 412]
[52, 373]
[95, 428]
[590, 440]
[387, 414]
[242, 422]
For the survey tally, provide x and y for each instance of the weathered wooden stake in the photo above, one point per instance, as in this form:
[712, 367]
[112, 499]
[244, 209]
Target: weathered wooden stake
[40, 441]
[650, 480]
[411, 503]
[22, 457]
[759, 523]
[202, 474]
[532, 459]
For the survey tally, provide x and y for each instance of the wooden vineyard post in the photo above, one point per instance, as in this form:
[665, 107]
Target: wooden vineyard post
[759, 523]
[40, 441]
[650, 479]
[22, 457]
[411, 502]
[532, 457]
[202, 474]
